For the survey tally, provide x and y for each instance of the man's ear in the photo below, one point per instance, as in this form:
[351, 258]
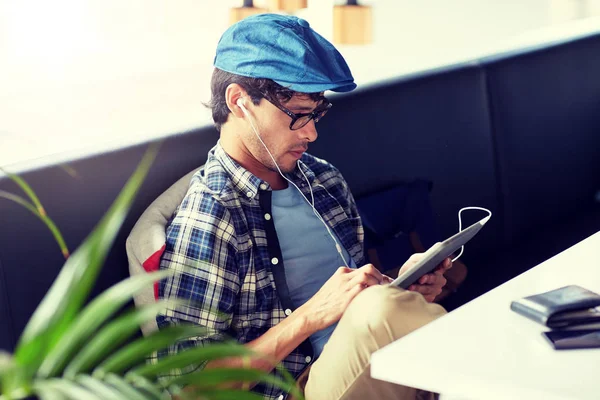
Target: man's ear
[233, 93]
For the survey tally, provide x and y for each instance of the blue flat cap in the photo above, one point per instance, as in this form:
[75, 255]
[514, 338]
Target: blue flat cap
[286, 50]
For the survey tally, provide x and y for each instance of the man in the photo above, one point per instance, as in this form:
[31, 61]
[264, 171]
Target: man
[272, 234]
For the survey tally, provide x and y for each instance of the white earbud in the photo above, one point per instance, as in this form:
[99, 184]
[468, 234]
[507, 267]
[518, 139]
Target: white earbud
[240, 104]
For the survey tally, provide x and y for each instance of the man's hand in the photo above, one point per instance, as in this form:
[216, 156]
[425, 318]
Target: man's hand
[429, 285]
[329, 303]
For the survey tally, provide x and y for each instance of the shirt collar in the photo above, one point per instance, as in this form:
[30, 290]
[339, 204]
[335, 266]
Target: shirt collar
[246, 182]
[297, 176]
[243, 180]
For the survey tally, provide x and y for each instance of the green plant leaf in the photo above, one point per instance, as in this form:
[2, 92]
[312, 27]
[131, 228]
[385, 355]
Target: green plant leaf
[127, 389]
[27, 189]
[136, 352]
[150, 387]
[44, 218]
[178, 394]
[55, 313]
[70, 389]
[189, 356]
[49, 394]
[114, 334]
[208, 353]
[287, 377]
[7, 367]
[69, 170]
[11, 375]
[211, 378]
[93, 316]
[99, 387]
[227, 394]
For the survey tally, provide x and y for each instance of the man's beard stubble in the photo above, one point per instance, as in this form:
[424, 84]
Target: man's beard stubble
[262, 155]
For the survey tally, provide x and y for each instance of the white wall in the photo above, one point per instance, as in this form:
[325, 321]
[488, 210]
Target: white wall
[90, 74]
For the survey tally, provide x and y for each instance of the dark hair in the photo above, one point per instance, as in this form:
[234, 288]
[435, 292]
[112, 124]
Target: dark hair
[257, 89]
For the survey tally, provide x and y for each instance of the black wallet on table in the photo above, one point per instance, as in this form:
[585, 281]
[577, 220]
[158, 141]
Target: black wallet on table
[560, 308]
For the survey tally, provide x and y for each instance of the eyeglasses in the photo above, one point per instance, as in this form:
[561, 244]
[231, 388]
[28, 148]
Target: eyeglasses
[301, 119]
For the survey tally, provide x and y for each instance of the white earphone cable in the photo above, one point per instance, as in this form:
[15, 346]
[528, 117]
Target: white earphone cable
[310, 203]
[462, 248]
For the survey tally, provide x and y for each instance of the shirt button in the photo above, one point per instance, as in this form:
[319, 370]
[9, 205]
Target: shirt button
[307, 359]
[274, 261]
[263, 186]
[287, 311]
[267, 216]
[249, 194]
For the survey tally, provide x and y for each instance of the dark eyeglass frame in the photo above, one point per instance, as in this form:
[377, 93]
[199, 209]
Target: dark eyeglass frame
[316, 114]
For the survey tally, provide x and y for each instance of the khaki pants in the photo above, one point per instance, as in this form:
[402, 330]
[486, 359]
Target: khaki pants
[376, 317]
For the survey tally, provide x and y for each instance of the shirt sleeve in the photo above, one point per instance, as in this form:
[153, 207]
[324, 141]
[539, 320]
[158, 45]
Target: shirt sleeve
[201, 247]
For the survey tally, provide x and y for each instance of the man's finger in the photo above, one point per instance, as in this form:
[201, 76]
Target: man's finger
[429, 279]
[444, 265]
[423, 289]
[364, 279]
[371, 270]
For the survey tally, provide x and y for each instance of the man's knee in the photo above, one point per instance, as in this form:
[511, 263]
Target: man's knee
[394, 311]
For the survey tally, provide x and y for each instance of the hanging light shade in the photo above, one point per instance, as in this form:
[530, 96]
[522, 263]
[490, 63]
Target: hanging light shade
[289, 6]
[247, 9]
[352, 23]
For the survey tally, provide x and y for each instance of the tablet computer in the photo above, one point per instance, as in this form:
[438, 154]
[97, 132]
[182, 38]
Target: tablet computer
[436, 254]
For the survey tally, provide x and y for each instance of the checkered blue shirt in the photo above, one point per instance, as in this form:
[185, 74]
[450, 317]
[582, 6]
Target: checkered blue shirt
[223, 237]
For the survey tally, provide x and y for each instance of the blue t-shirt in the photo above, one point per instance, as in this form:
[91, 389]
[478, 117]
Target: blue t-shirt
[309, 254]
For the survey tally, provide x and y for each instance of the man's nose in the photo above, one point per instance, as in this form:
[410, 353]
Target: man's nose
[309, 131]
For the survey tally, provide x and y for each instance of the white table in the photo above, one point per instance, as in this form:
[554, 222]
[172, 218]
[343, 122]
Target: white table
[483, 350]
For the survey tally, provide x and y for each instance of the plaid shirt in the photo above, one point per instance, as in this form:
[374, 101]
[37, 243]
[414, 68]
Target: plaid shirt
[224, 237]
